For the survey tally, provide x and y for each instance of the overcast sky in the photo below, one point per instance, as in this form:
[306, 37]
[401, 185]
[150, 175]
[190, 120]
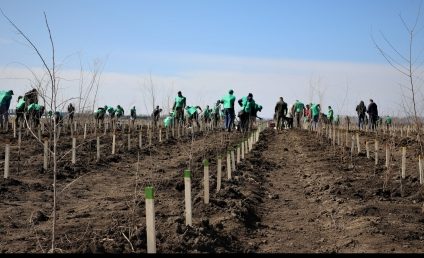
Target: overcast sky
[270, 48]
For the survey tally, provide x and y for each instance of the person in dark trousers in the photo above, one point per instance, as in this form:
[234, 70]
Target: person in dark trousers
[156, 115]
[361, 110]
[228, 105]
[71, 112]
[193, 115]
[133, 115]
[280, 113]
[372, 114]
[247, 104]
[178, 108]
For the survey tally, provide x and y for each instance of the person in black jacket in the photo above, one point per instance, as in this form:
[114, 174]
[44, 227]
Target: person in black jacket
[280, 113]
[361, 111]
[372, 114]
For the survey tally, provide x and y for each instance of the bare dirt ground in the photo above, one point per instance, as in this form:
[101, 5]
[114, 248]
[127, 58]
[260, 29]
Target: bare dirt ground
[294, 193]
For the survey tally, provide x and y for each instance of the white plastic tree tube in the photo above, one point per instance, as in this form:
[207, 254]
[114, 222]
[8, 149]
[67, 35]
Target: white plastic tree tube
[113, 143]
[160, 135]
[376, 152]
[150, 220]
[338, 137]
[187, 195]
[238, 154]
[46, 153]
[14, 128]
[6, 160]
[403, 162]
[367, 148]
[129, 141]
[218, 174]
[98, 149]
[420, 169]
[347, 139]
[74, 146]
[228, 165]
[206, 180]
[387, 156]
[358, 143]
[233, 161]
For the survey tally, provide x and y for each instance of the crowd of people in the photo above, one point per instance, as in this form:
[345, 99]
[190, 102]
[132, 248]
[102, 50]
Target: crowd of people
[221, 113]
[223, 109]
[309, 115]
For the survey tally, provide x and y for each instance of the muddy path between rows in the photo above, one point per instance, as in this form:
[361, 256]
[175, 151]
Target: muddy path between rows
[293, 193]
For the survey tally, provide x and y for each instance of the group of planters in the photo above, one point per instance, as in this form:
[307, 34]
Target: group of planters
[222, 109]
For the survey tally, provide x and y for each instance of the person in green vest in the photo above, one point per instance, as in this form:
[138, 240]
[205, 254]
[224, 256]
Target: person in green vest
[330, 116]
[247, 104]
[192, 115]
[99, 114]
[178, 107]
[35, 112]
[388, 122]
[5, 99]
[229, 112]
[111, 111]
[207, 115]
[119, 111]
[254, 114]
[20, 110]
[298, 109]
[169, 120]
[315, 110]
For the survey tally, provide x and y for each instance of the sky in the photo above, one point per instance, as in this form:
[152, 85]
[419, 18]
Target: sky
[311, 50]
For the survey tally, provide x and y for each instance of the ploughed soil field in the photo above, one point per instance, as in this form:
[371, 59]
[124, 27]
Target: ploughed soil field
[295, 192]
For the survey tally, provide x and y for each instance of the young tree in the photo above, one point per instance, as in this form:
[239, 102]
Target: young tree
[408, 65]
[48, 86]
